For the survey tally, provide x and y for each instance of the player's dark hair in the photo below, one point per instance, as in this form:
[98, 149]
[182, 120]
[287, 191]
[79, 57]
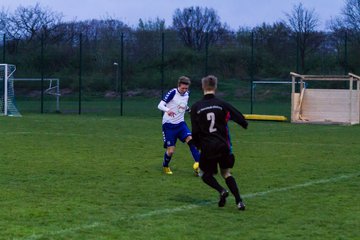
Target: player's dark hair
[209, 82]
[184, 80]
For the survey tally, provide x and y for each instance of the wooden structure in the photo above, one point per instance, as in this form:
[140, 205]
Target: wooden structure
[326, 106]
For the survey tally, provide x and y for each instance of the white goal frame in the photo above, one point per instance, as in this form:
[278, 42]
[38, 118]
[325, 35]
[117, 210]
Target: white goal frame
[7, 78]
[254, 83]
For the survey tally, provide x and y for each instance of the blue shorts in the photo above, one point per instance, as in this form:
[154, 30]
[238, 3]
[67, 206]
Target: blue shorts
[172, 132]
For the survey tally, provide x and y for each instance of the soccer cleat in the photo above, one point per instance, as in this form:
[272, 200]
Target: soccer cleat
[223, 195]
[167, 170]
[241, 206]
[196, 168]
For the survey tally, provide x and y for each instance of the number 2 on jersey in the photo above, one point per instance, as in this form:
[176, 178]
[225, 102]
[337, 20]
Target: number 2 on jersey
[211, 117]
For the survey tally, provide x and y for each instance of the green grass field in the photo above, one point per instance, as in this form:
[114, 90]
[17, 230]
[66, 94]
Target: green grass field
[93, 177]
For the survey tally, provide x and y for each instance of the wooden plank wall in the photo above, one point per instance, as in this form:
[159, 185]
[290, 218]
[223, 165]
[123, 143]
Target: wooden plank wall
[329, 105]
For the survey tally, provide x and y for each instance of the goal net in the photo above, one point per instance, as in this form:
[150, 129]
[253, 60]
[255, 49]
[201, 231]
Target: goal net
[7, 95]
[25, 86]
[271, 97]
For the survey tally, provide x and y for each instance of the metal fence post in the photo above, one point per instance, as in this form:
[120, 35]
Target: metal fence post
[4, 47]
[42, 73]
[162, 62]
[206, 53]
[80, 70]
[252, 73]
[121, 74]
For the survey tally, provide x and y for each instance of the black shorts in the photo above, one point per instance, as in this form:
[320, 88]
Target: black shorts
[210, 164]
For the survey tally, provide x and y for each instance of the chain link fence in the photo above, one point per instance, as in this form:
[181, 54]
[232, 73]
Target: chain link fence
[127, 73]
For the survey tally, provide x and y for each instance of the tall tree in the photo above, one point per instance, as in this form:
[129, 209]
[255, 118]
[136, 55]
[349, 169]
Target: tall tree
[351, 14]
[346, 29]
[147, 41]
[151, 25]
[3, 17]
[304, 23]
[29, 22]
[194, 23]
[274, 47]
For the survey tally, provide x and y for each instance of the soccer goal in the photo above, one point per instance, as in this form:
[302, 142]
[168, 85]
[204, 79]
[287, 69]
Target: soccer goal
[8, 105]
[316, 104]
[269, 100]
[7, 95]
[52, 87]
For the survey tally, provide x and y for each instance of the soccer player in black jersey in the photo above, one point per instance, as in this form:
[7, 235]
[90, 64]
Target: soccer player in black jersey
[209, 118]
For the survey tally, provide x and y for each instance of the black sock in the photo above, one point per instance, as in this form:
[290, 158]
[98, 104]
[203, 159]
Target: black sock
[167, 160]
[231, 183]
[212, 182]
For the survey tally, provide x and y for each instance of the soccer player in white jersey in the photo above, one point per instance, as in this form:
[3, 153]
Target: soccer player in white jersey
[174, 104]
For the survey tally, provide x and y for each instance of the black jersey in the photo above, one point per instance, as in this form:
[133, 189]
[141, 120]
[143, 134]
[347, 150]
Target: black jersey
[209, 118]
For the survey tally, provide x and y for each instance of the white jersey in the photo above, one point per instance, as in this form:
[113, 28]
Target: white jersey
[176, 102]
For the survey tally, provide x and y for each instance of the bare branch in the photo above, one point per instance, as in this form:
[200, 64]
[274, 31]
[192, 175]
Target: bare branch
[194, 23]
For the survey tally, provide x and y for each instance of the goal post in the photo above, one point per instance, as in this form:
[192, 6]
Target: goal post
[53, 87]
[7, 95]
[272, 96]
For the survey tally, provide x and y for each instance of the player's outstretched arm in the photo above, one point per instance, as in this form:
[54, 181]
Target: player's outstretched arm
[237, 116]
